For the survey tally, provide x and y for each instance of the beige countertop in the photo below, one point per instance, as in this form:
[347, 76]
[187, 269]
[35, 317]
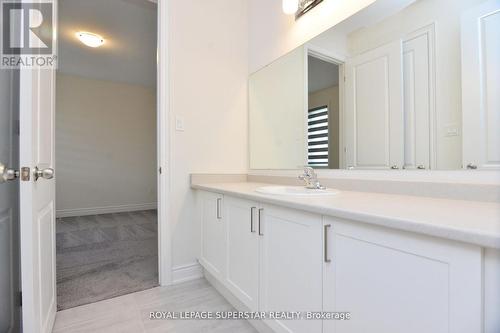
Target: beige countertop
[466, 221]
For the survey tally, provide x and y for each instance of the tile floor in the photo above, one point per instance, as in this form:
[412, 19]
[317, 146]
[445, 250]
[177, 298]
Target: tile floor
[130, 313]
[105, 256]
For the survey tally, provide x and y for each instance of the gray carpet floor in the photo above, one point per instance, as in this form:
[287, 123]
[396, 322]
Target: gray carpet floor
[105, 256]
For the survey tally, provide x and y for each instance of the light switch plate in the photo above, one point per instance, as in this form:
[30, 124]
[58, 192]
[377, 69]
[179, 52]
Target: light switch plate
[452, 130]
[179, 124]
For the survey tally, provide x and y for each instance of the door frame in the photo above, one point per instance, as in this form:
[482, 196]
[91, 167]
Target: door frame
[339, 60]
[165, 274]
[163, 151]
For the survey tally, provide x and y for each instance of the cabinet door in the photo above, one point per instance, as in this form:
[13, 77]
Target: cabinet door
[480, 86]
[242, 251]
[393, 282]
[291, 266]
[213, 231]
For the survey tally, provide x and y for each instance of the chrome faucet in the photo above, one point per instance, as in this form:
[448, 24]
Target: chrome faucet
[311, 179]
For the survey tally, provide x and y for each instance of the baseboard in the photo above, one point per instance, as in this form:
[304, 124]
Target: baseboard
[259, 325]
[104, 210]
[186, 273]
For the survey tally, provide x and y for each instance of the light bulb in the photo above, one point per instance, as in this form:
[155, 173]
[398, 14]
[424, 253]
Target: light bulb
[290, 7]
[90, 39]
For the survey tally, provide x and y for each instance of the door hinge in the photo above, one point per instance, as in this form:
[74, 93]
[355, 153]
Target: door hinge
[20, 300]
[160, 170]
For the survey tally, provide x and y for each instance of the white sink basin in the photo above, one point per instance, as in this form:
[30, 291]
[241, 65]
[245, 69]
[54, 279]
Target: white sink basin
[295, 191]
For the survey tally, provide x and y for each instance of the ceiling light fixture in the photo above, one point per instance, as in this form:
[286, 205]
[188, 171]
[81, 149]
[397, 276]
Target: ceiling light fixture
[90, 39]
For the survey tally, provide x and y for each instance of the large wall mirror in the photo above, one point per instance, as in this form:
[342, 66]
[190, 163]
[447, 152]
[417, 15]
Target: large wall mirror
[400, 85]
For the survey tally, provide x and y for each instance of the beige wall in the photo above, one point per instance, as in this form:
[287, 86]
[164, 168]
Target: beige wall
[330, 97]
[273, 34]
[105, 145]
[208, 74]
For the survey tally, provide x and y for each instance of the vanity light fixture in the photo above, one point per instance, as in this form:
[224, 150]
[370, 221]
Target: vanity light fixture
[290, 7]
[299, 7]
[90, 39]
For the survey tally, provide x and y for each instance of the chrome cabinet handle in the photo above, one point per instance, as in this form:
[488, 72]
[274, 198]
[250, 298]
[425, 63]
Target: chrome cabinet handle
[252, 210]
[47, 173]
[260, 222]
[394, 167]
[219, 214]
[325, 235]
[471, 166]
[421, 167]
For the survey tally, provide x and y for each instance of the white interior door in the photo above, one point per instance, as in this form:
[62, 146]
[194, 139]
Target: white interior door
[9, 209]
[418, 73]
[481, 86]
[37, 199]
[374, 126]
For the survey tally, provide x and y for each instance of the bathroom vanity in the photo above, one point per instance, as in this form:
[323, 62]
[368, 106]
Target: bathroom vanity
[400, 90]
[396, 263]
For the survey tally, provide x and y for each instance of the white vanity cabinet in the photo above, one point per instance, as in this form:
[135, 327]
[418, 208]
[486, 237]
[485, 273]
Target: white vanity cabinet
[213, 231]
[242, 276]
[392, 281]
[291, 266]
[273, 258]
[268, 257]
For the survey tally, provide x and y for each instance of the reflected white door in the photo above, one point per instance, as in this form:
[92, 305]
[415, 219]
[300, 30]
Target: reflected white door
[374, 126]
[9, 201]
[37, 196]
[418, 74]
[481, 86]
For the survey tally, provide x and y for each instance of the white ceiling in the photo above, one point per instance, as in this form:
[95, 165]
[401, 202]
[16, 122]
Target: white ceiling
[322, 74]
[129, 28]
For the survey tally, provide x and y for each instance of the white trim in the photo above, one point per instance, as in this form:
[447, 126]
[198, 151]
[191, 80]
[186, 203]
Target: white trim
[186, 273]
[105, 210]
[163, 137]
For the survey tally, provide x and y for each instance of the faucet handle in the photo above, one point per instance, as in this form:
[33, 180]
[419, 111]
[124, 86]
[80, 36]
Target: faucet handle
[309, 171]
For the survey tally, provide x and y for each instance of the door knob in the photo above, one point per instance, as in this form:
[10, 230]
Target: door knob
[47, 173]
[7, 174]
